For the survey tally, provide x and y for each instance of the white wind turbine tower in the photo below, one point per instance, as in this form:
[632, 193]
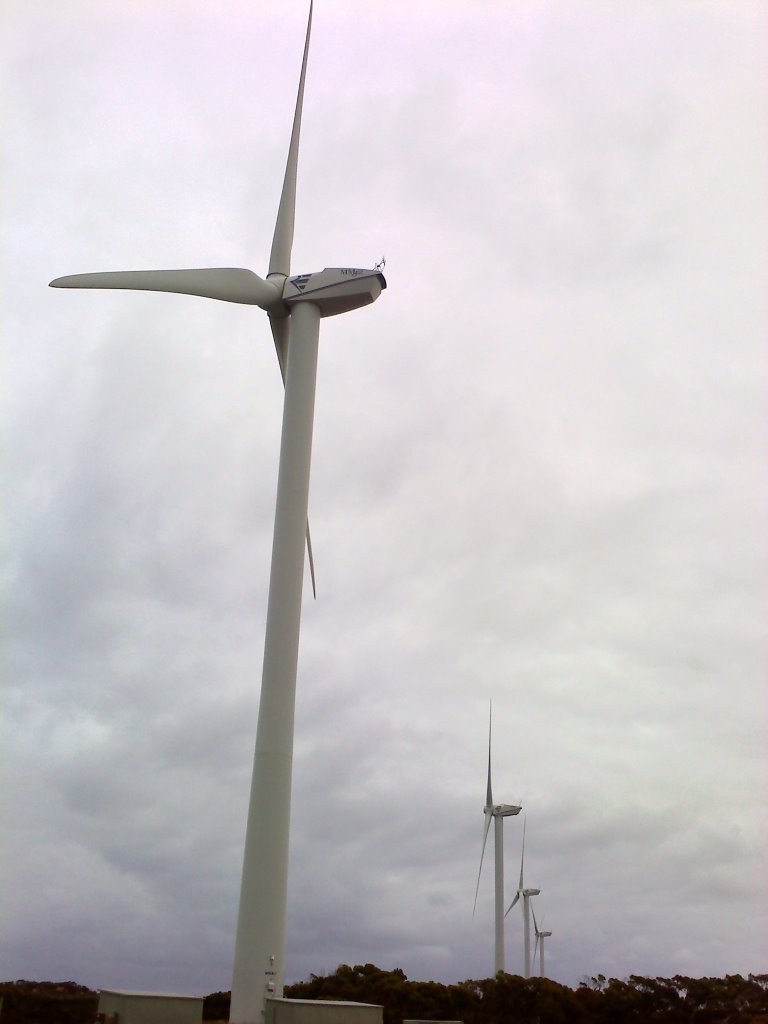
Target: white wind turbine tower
[497, 812]
[526, 895]
[540, 936]
[295, 305]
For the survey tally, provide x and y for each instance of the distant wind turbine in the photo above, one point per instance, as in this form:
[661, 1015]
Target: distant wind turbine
[497, 813]
[295, 305]
[540, 936]
[526, 895]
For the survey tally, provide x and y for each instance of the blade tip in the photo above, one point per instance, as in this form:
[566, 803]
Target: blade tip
[69, 281]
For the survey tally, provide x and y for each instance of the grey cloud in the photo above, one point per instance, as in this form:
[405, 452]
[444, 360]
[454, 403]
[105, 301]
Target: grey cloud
[536, 477]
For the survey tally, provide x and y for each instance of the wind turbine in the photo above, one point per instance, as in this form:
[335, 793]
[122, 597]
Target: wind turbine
[295, 305]
[496, 813]
[526, 895]
[540, 936]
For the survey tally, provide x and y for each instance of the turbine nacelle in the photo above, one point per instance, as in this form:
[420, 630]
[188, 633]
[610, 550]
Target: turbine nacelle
[335, 289]
[505, 810]
[530, 892]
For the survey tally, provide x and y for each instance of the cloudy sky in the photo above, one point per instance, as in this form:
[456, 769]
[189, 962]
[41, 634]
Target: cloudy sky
[538, 478]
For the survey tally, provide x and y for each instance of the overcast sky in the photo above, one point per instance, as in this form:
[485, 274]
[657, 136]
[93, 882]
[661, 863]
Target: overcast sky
[538, 477]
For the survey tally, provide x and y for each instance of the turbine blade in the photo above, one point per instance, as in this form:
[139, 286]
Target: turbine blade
[311, 563]
[535, 946]
[514, 901]
[282, 241]
[535, 925]
[488, 792]
[486, 826]
[229, 284]
[280, 326]
[280, 329]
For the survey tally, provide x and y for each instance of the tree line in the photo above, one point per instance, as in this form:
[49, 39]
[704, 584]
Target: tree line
[511, 999]
[505, 999]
